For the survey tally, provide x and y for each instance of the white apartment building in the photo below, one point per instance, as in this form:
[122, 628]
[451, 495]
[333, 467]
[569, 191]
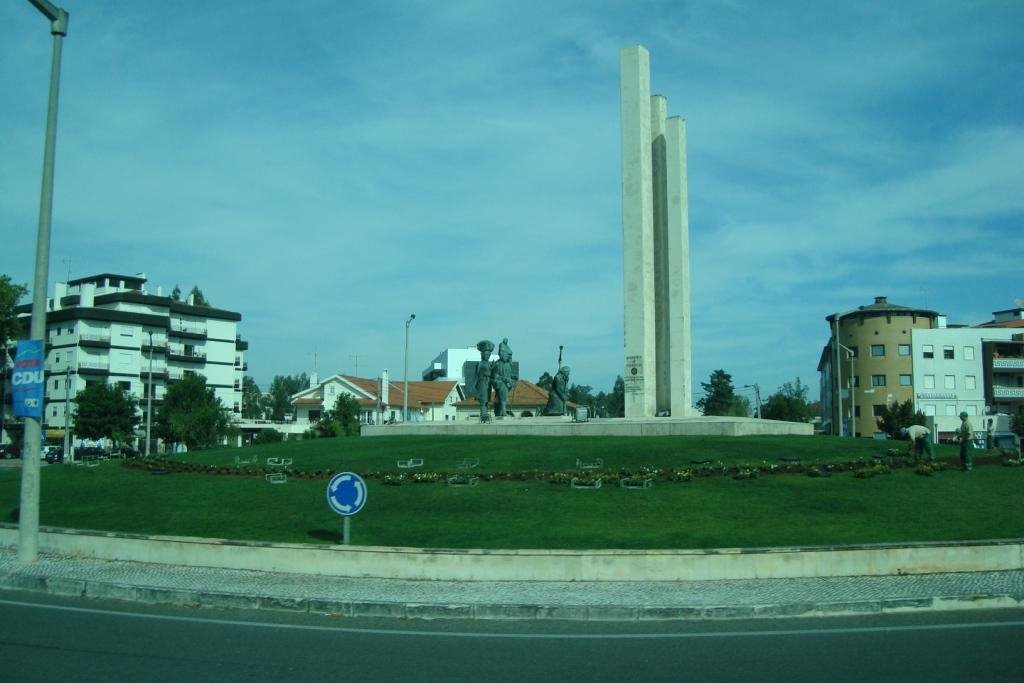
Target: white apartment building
[109, 328]
[949, 372]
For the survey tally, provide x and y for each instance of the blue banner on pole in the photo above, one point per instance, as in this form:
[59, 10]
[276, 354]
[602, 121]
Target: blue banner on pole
[27, 379]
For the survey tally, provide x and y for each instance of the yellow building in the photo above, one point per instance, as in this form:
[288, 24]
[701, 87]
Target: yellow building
[867, 364]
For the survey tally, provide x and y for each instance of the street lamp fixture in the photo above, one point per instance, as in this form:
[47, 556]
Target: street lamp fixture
[28, 518]
[405, 374]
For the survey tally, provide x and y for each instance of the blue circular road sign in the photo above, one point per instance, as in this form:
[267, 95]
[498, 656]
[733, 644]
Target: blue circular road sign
[346, 493]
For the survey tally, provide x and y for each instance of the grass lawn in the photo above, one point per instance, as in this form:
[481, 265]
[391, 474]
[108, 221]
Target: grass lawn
[718, 511]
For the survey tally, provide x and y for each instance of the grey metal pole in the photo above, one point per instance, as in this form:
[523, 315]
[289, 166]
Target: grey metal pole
[346, 531]
[405, 375]
[28, 516]
[149, 395]
[839, 379]
[67, 414]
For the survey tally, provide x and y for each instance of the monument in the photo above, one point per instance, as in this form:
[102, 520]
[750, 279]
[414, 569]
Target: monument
[656, 247]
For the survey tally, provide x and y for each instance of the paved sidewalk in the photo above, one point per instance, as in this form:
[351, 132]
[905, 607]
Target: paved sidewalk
[606, 600]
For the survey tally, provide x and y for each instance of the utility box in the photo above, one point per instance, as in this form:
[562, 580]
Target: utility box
[582, 414]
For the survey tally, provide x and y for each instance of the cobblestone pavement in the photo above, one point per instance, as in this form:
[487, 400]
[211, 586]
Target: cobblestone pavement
[605, 600]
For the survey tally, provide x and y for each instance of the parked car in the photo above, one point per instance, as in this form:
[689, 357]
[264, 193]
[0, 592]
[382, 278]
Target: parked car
[10, 450]
[53, 454]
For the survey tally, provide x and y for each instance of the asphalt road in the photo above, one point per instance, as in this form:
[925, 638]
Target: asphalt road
[43, 638]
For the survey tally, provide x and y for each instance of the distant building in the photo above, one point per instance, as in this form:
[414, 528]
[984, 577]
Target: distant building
[867, 363]
[109, 328]
[448, 364]
[380, 400]
[902, 354]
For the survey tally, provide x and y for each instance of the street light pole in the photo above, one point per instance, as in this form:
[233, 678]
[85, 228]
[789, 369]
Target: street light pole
[149, 395]
[853, 390]
[405, 381]
[28, 517]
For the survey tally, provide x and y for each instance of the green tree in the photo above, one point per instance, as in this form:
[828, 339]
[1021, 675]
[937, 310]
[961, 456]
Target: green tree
[789, 403]
[10, 294]
[581, 395]
[197, 297]
[545, 381]
[192, 414]
[612, 404]
[897, 415]
[253, 402]
[282, 387]
[740, 406]
[718, 394]
[345, 416]
[105, 411]
[176, 293]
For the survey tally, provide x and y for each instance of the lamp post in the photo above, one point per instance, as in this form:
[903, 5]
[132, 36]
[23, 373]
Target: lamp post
[405, 381]
[28, 518]
[149, 395]
[757, 396]
[853, 390]
[67, 415]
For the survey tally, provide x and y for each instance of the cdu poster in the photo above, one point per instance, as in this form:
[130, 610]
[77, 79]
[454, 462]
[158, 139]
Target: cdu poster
[27, 379]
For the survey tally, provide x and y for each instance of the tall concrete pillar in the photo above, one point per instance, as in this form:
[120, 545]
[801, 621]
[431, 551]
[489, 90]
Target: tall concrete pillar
[656, 259]
[678, 247]
[637, 232]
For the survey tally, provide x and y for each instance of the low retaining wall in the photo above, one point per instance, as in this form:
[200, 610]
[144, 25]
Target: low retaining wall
[533, 565]
[545, 426]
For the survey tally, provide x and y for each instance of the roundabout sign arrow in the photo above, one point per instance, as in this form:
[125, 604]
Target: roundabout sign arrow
[346, 493]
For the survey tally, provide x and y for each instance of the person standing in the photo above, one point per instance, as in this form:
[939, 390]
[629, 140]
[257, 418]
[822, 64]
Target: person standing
[965, 435]
[990, 434]
[920, 441]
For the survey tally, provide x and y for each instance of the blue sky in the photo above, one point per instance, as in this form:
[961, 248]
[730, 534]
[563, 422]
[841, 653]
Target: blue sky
[327, 168]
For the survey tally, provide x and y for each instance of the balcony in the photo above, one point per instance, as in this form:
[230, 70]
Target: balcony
[1008, 363]
[1008, 392]
[93, 367]
[185, 331]
[94, 340]
[186, 356]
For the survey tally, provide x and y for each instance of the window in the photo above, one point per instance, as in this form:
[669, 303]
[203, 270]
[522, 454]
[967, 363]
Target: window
[853, 351]
[856, 411]
[127, 386]
[878, 380]
[929, 410]
[947, 352]
[903, 349]
[877, 409]
[949, 381]
[878, 350]
[856, 381]
[970, 382]
[929, 381]
[950, 410]
[968, 353]
[927, 351]
[905, 381]
[971, 410]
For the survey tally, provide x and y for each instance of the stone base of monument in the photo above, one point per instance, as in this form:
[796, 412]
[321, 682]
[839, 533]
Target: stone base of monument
[565, 426]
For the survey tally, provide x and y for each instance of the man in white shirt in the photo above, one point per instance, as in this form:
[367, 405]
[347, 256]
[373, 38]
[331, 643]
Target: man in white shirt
[920, 441]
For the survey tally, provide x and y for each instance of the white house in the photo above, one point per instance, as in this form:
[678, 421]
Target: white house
[380, 400]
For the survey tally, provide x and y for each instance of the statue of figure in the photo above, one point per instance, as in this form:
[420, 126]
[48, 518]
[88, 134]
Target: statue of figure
[502, 379]
[483, 377]
[559, 392]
